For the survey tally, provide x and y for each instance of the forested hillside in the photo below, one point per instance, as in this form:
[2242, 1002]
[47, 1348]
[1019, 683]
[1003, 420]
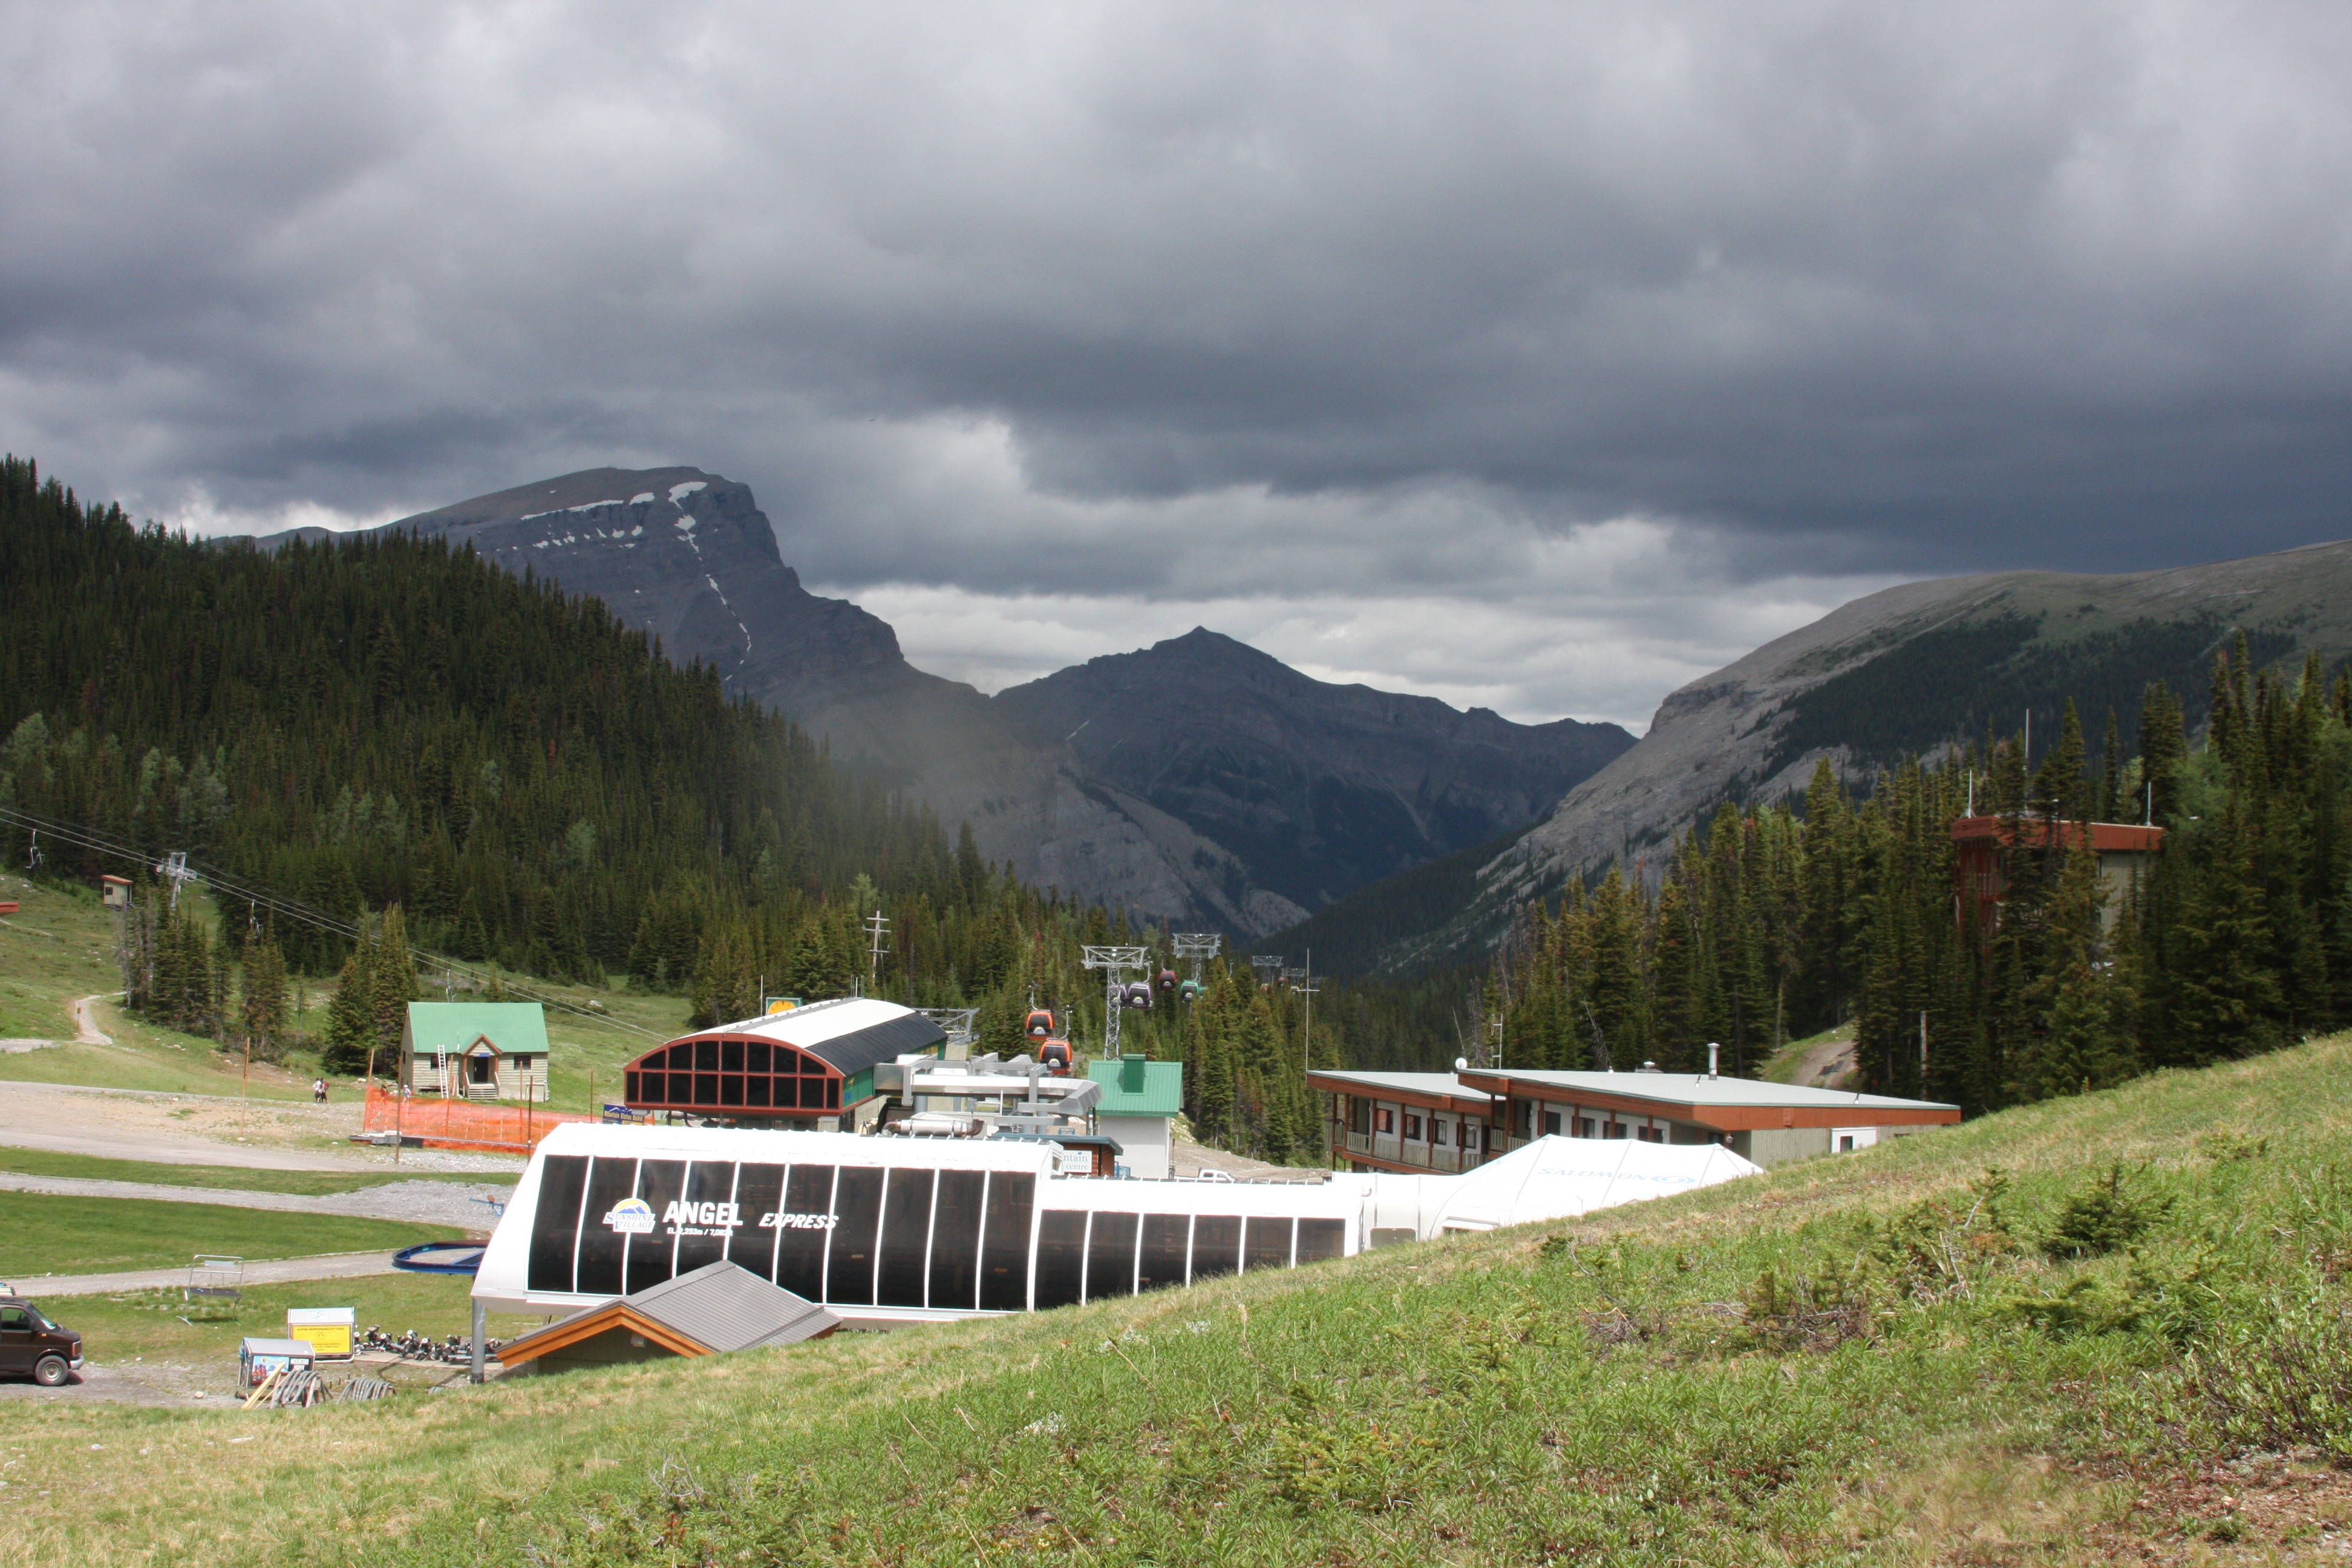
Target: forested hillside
[405, 738]
[1771, 925]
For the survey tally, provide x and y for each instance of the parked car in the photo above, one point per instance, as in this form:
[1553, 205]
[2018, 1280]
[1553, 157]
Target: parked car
[29, 1342]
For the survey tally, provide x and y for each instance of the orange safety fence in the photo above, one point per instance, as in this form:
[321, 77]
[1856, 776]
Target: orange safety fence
[445, 1121]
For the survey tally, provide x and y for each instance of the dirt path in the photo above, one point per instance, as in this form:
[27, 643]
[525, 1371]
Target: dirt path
[1825, 1066]
[423, 1203]
[279, 1271]
[207, 1130]
[86, 1029]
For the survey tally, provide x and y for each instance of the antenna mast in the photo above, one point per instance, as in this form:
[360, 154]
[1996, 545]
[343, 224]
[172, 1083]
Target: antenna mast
[878, 928]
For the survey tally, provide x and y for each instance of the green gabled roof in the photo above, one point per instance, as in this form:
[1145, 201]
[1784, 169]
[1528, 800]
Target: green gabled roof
[512, 1027]
[1133, 1087]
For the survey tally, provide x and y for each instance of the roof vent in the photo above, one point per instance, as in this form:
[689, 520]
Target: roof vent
[1714, 1053]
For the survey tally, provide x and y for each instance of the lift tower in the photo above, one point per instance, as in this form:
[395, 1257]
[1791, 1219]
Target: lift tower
[1114, 962]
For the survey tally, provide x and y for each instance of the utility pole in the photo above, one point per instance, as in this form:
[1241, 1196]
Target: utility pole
[1307, 989]
[1113, 962]
[1923, 1053]
[878, 928]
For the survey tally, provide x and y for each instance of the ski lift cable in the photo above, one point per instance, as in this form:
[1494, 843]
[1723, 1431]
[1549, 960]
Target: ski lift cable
[95, 839]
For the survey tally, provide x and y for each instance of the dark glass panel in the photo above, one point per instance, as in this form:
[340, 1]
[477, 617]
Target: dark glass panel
[706, 1055]
[800, 1248]
[955, 1240]
[730, 1055]
[1110, 1258]
[761, 1058]
[652, 1257]
[708, 1182]
[856, 1214]
[681, 1056]
[906, 1239]
[1217, 1245]
[758, 1194]
[755, 1089]
[833, 1094]
[1004, 1242]
[1321, 1238]
[730, 1088]
[1161, 1261]
[706, 1089]
[629, 1085]
[555, 1228]
[653, 1087]
[600, 1247]
[811, 1094]
[1061, 1258]
[1269, 1244]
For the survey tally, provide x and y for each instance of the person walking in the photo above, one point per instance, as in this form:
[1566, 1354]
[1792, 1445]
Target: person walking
[318, 1091]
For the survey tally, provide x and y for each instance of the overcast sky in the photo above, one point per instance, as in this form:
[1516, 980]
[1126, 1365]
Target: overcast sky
[1539, 356]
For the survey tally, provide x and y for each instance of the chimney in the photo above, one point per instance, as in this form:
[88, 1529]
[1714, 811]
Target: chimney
[1713, 1052]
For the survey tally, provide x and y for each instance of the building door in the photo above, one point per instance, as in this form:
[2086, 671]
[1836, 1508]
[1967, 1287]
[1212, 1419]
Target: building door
[482, 1070]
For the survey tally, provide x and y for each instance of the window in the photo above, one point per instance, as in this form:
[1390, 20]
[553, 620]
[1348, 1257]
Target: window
[955, 1239]
[1551, 1124]
[1470, 1131]
[1384, 1122]
[759, 1193]
[1268, 1244]
[1412, 1127]
[1005, 1243]
[1359, 1114]
[1651, 1134]
[1522, 1118]
[800, 1248]
[555, 1230]
[1217, 1245]
[856, 1223]
[1585, 1127]
[1061, 1256]
[1321, 1238]
[1437, 1132]
[1166, 1238]
[1111, 1257]
[660, 1182]
[906, 1239]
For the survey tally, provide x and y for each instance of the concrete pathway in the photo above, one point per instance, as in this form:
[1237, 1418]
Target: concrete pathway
[450, 1204]
[277, 1271]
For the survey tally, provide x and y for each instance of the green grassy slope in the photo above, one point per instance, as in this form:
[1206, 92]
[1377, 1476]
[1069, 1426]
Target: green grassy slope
[41, 1233]
[1885, 1358]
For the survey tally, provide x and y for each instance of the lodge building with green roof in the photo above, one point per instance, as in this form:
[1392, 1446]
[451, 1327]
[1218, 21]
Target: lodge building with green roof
[479, 1050]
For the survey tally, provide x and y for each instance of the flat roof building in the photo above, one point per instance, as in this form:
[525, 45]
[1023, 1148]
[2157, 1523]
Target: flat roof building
[1457, 1121]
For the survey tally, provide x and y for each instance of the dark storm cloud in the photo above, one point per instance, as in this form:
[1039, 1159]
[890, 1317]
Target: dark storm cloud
[980, 297]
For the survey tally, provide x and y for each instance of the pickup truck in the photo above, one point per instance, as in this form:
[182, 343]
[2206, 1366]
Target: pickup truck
[29, 1342]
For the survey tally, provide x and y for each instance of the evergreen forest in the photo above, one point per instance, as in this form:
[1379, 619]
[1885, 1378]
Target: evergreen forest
[2059, 976]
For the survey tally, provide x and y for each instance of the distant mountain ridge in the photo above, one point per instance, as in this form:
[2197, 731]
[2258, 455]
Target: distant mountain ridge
[1907, 671]
[1321, 788]
[1269, 793]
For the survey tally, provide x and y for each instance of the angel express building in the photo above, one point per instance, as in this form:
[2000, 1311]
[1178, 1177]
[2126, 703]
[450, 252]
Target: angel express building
[1452, 1122]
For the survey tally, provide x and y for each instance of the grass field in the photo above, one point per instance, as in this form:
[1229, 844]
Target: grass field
[305, 1183]
[41, 1233]
[147, 1326]
[2130, 1343]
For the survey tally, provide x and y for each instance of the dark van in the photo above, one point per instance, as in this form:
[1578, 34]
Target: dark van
[29, 1342]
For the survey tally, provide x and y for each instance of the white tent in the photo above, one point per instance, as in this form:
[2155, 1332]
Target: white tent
[1554, 1178]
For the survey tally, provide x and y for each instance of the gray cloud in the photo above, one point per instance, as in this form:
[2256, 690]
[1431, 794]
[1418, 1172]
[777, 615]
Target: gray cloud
[1330, 310]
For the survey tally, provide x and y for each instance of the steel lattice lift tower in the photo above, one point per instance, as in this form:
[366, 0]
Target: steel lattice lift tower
[1114, 962]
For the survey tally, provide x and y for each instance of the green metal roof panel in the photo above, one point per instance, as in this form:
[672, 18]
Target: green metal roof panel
[1133, 1087]
[512, 1027]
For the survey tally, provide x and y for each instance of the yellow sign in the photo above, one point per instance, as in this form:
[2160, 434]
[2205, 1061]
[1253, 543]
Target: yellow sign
[327, 1329]
[783, 1005]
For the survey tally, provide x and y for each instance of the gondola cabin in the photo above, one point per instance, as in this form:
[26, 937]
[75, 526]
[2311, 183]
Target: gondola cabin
[1040, 1023]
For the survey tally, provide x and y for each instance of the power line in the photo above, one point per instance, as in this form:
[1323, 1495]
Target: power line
[186, 868]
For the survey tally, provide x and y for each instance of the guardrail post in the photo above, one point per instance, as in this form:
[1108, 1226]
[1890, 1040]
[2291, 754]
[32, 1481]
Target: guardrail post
[482, 1317]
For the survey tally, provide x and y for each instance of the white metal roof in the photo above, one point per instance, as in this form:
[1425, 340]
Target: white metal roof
[1697, 1089]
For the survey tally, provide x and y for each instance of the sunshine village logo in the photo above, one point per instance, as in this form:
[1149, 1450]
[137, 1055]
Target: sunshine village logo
[631, 1216]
